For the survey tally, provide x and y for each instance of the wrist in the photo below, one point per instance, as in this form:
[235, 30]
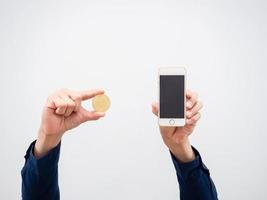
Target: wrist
[183, 151]
[45, 143]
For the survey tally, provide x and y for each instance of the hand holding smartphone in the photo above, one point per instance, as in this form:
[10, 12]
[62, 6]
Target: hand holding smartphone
[172, 85]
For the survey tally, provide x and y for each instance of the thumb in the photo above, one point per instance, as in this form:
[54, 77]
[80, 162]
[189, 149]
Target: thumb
[82, 116]
[155, 108]
[90, 115]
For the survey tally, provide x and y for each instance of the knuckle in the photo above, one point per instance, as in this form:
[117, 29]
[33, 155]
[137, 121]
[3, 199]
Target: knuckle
[189, 113]
[63, 104]
[72, 104]
[196, 118]
[77, 97]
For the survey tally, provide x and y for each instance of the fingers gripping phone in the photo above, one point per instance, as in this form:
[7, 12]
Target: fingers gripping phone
[172, 96]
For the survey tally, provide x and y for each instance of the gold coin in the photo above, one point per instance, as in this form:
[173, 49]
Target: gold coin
[101, 103]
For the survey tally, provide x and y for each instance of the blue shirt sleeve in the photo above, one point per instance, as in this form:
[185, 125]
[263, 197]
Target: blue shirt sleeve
[194, 179]
[40, 176]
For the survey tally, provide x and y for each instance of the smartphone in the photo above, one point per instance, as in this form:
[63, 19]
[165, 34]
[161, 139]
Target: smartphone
[172, 96]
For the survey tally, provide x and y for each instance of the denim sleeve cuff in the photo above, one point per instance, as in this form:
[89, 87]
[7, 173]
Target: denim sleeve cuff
[45, 163]
[183, 170]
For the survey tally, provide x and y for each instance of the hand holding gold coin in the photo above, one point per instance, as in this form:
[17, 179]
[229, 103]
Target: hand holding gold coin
[101, 103]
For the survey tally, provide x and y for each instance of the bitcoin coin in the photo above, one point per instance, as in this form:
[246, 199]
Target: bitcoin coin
[101, 103]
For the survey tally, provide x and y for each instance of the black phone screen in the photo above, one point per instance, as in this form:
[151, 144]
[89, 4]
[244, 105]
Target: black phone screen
[172, 96]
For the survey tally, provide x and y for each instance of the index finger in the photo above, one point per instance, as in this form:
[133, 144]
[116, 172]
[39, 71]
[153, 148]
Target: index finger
[191, 98]
[88, 94]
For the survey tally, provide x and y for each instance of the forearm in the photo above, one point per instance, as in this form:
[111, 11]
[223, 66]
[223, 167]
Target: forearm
[45, 143]
[182, 151]
[40, 176]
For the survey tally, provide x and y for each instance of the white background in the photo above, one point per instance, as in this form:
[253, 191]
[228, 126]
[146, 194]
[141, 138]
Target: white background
[117, 45]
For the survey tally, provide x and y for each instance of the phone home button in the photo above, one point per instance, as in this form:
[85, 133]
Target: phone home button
[171, 122]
